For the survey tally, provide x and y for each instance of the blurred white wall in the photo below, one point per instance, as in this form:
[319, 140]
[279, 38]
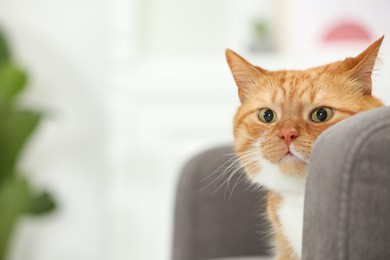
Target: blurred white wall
[132, 89]
[198, 28]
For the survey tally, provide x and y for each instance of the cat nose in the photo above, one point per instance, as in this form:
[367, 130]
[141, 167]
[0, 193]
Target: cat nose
[288, 134]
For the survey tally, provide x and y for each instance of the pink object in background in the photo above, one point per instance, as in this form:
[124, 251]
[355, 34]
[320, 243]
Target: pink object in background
[347, 31]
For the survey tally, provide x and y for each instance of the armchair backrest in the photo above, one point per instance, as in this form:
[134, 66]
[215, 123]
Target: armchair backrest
[212, 221]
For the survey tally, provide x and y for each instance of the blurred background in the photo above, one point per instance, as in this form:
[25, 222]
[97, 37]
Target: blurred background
[131, 89]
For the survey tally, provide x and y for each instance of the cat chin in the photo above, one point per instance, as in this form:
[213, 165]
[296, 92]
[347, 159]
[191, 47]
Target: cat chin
[284, 178]
[292, 164]
[293, 167]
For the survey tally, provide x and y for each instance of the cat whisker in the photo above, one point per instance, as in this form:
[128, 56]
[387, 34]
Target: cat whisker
[240, 167]
[219, 176]
[242, 177]
[234, 159]
[241, 170]
[234, 163]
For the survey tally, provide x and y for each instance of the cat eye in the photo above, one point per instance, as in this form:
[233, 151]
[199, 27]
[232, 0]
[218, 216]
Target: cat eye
[266, 115]
[321, 114]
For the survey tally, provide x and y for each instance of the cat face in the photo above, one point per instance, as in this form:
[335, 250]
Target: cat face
[283, 112]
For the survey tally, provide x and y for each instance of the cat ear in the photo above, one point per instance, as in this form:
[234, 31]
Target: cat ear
[360, 68]
[244, 73]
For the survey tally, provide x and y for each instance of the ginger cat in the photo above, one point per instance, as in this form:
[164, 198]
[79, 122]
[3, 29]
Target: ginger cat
[280, 117]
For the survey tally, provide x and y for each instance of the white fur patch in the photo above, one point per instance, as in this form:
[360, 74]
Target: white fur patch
[291, 217]
[292, 190]
[272, 178]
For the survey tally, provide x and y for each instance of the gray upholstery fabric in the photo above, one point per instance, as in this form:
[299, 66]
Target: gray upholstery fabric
[209, 223]
[347, 203]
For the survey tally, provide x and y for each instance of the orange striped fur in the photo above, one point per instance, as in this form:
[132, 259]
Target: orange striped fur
[343, 86]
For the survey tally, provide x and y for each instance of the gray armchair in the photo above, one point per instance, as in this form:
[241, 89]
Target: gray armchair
[347, 203]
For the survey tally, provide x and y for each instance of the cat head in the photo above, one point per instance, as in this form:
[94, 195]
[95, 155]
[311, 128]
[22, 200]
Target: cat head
[283, 112]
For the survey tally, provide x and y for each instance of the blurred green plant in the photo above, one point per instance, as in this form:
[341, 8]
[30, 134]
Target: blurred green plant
[260, 28]
[17, 197]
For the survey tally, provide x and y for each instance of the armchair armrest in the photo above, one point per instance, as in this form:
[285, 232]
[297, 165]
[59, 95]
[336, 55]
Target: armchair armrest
[347, 202]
